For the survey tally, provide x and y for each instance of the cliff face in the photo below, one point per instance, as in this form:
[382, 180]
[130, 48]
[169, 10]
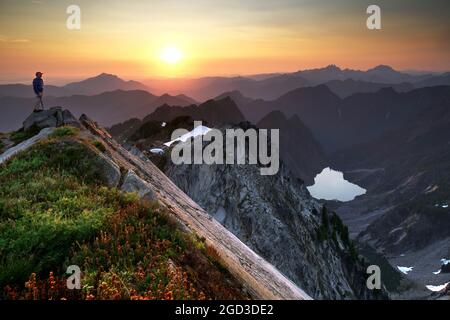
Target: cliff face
[276, 217]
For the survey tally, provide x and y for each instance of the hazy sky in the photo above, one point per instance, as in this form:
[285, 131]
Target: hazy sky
[218, 37]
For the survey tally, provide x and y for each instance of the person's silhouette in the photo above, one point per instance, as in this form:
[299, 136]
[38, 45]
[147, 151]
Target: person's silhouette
[38, 87]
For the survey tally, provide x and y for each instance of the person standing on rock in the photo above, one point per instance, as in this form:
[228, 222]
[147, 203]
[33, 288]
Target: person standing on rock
[38, 87]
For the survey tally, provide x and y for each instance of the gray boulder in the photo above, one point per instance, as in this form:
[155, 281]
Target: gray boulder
[53, 117]
[133, 183]
[69, 119]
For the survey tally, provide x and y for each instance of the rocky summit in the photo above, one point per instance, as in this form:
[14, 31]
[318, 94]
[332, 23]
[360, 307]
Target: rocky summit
[53, 117]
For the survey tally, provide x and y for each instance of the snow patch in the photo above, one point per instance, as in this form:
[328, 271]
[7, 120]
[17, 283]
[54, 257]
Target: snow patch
[157, 151]
[198, 131]
[405, 270]
[437, 288]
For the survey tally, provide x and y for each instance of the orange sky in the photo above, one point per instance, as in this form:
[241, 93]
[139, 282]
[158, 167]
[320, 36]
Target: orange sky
[217, 37]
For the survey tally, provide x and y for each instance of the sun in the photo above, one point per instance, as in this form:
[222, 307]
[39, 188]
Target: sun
[171, 55]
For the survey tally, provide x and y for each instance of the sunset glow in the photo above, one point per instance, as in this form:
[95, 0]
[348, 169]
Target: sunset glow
[171, 55]
[216, 38]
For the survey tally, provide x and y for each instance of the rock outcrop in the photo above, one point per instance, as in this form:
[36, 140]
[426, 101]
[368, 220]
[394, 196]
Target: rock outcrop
[133, 183]
[44, 133]
[53, 117]
[110, 171]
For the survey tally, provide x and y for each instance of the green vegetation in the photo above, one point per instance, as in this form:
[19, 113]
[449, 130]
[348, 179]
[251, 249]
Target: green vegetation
[340, 228]
[99, 145]
[331, 228]
[322, 232]
[49, 199]
[20, 135]
[65, 131]
[55, 212]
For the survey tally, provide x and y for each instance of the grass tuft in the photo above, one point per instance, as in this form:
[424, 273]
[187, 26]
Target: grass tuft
[65, 131]
[99, 145]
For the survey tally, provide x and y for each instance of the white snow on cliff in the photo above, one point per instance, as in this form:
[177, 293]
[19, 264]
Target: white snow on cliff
[405, 270]
[198, 131]
[437, 288]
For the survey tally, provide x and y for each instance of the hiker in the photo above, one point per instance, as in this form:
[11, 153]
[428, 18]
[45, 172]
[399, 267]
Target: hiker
[38, 87]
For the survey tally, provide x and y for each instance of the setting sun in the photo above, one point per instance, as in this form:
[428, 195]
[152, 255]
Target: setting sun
[171, 55]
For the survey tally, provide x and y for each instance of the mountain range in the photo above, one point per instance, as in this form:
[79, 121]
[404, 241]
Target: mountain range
[90, 86]
[272, 86]
[338, 123]
[343, 82]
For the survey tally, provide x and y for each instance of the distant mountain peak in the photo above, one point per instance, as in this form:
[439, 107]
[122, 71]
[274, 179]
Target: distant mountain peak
[382, 68]
[101, 83]
[232, 94]
[214, 112]
[321, 89]
[272, 117]
[105, 75]
[223, 100]
[235, 93]
[332, 68]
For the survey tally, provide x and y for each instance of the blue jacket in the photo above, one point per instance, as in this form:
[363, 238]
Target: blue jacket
[38, 85]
